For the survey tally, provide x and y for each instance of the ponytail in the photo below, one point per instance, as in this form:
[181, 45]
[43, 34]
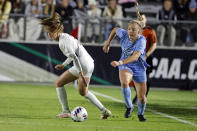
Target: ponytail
[53, 24]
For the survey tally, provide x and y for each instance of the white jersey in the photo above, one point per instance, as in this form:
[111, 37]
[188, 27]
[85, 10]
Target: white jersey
[75, 52]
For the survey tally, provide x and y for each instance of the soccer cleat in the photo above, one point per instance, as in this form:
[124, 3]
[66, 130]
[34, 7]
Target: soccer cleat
[128, 112]
[141, 118]
[63, 115]
[105, 114]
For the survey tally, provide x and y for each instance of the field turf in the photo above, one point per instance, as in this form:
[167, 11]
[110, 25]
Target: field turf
[32, 107]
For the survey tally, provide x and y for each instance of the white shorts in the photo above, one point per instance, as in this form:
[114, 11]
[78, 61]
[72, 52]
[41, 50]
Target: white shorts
[87, 71]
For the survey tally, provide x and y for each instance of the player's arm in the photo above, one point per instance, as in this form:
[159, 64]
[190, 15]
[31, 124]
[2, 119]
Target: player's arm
[77, 62]
[151, 50]
[65, 63]
[71, 56]
[110, 38]
[140, 49]
[153, 40]
[130, 59]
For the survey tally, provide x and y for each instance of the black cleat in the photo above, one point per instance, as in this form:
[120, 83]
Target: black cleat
[128, 112]
[141, 118]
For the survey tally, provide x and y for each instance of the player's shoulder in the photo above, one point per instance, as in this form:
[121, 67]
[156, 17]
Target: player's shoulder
[64, 38]
[64, 35]
[149, 31]
[142, 38]
[121, 29]
[121, 32]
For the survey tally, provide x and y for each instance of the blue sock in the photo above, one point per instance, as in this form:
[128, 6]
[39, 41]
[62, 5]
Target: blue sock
[127, 97]
[141, 108]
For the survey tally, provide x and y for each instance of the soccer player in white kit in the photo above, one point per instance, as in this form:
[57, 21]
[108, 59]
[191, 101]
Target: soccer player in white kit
[83, 66]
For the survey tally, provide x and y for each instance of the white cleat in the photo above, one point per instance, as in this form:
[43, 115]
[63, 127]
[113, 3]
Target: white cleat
[105, 114]
[63, 115]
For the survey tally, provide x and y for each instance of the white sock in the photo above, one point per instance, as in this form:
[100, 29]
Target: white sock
[62, 96]
[92, 98]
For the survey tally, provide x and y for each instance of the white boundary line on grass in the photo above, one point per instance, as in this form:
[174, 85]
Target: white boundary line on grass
[175, 118]
[156, 112]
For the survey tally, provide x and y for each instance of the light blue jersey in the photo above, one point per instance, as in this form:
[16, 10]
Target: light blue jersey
[138, 68]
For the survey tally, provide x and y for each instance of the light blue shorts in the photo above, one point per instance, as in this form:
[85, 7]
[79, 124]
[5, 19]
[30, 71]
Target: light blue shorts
[139, 74]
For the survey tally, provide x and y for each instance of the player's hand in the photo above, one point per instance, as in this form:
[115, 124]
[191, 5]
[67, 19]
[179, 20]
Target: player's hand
[115, 63]
[83, 79]
[106, 48]
[145, 57]
[59, 67]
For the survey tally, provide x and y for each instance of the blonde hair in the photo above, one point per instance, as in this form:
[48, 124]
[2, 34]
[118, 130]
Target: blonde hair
[139, 18]
[53, 24]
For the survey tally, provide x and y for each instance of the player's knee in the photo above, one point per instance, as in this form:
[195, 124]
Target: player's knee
[82, 92]
[142, 99]
[58, 84]
[55, 84]
[124, 84]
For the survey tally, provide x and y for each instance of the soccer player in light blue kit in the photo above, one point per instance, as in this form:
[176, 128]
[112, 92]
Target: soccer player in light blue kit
[132, 64]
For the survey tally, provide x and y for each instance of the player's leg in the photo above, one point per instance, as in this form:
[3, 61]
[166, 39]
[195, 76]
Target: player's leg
[141, 94]
[135, 98]
[63, 79]
[147, 90]
[149, 69]
[131, 84]
[148, 87]
[125, 77]
[83, 91]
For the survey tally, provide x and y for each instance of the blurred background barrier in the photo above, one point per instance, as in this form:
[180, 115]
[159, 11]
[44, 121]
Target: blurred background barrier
[30, 62]
[27, 53]
[95, 30]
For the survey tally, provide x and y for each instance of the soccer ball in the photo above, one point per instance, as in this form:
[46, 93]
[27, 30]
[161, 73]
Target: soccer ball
[79, 114]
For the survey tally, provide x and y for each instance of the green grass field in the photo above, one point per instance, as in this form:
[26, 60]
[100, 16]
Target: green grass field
[26, 107]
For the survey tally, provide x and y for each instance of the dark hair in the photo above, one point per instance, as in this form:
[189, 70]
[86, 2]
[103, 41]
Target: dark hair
[53, 24]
